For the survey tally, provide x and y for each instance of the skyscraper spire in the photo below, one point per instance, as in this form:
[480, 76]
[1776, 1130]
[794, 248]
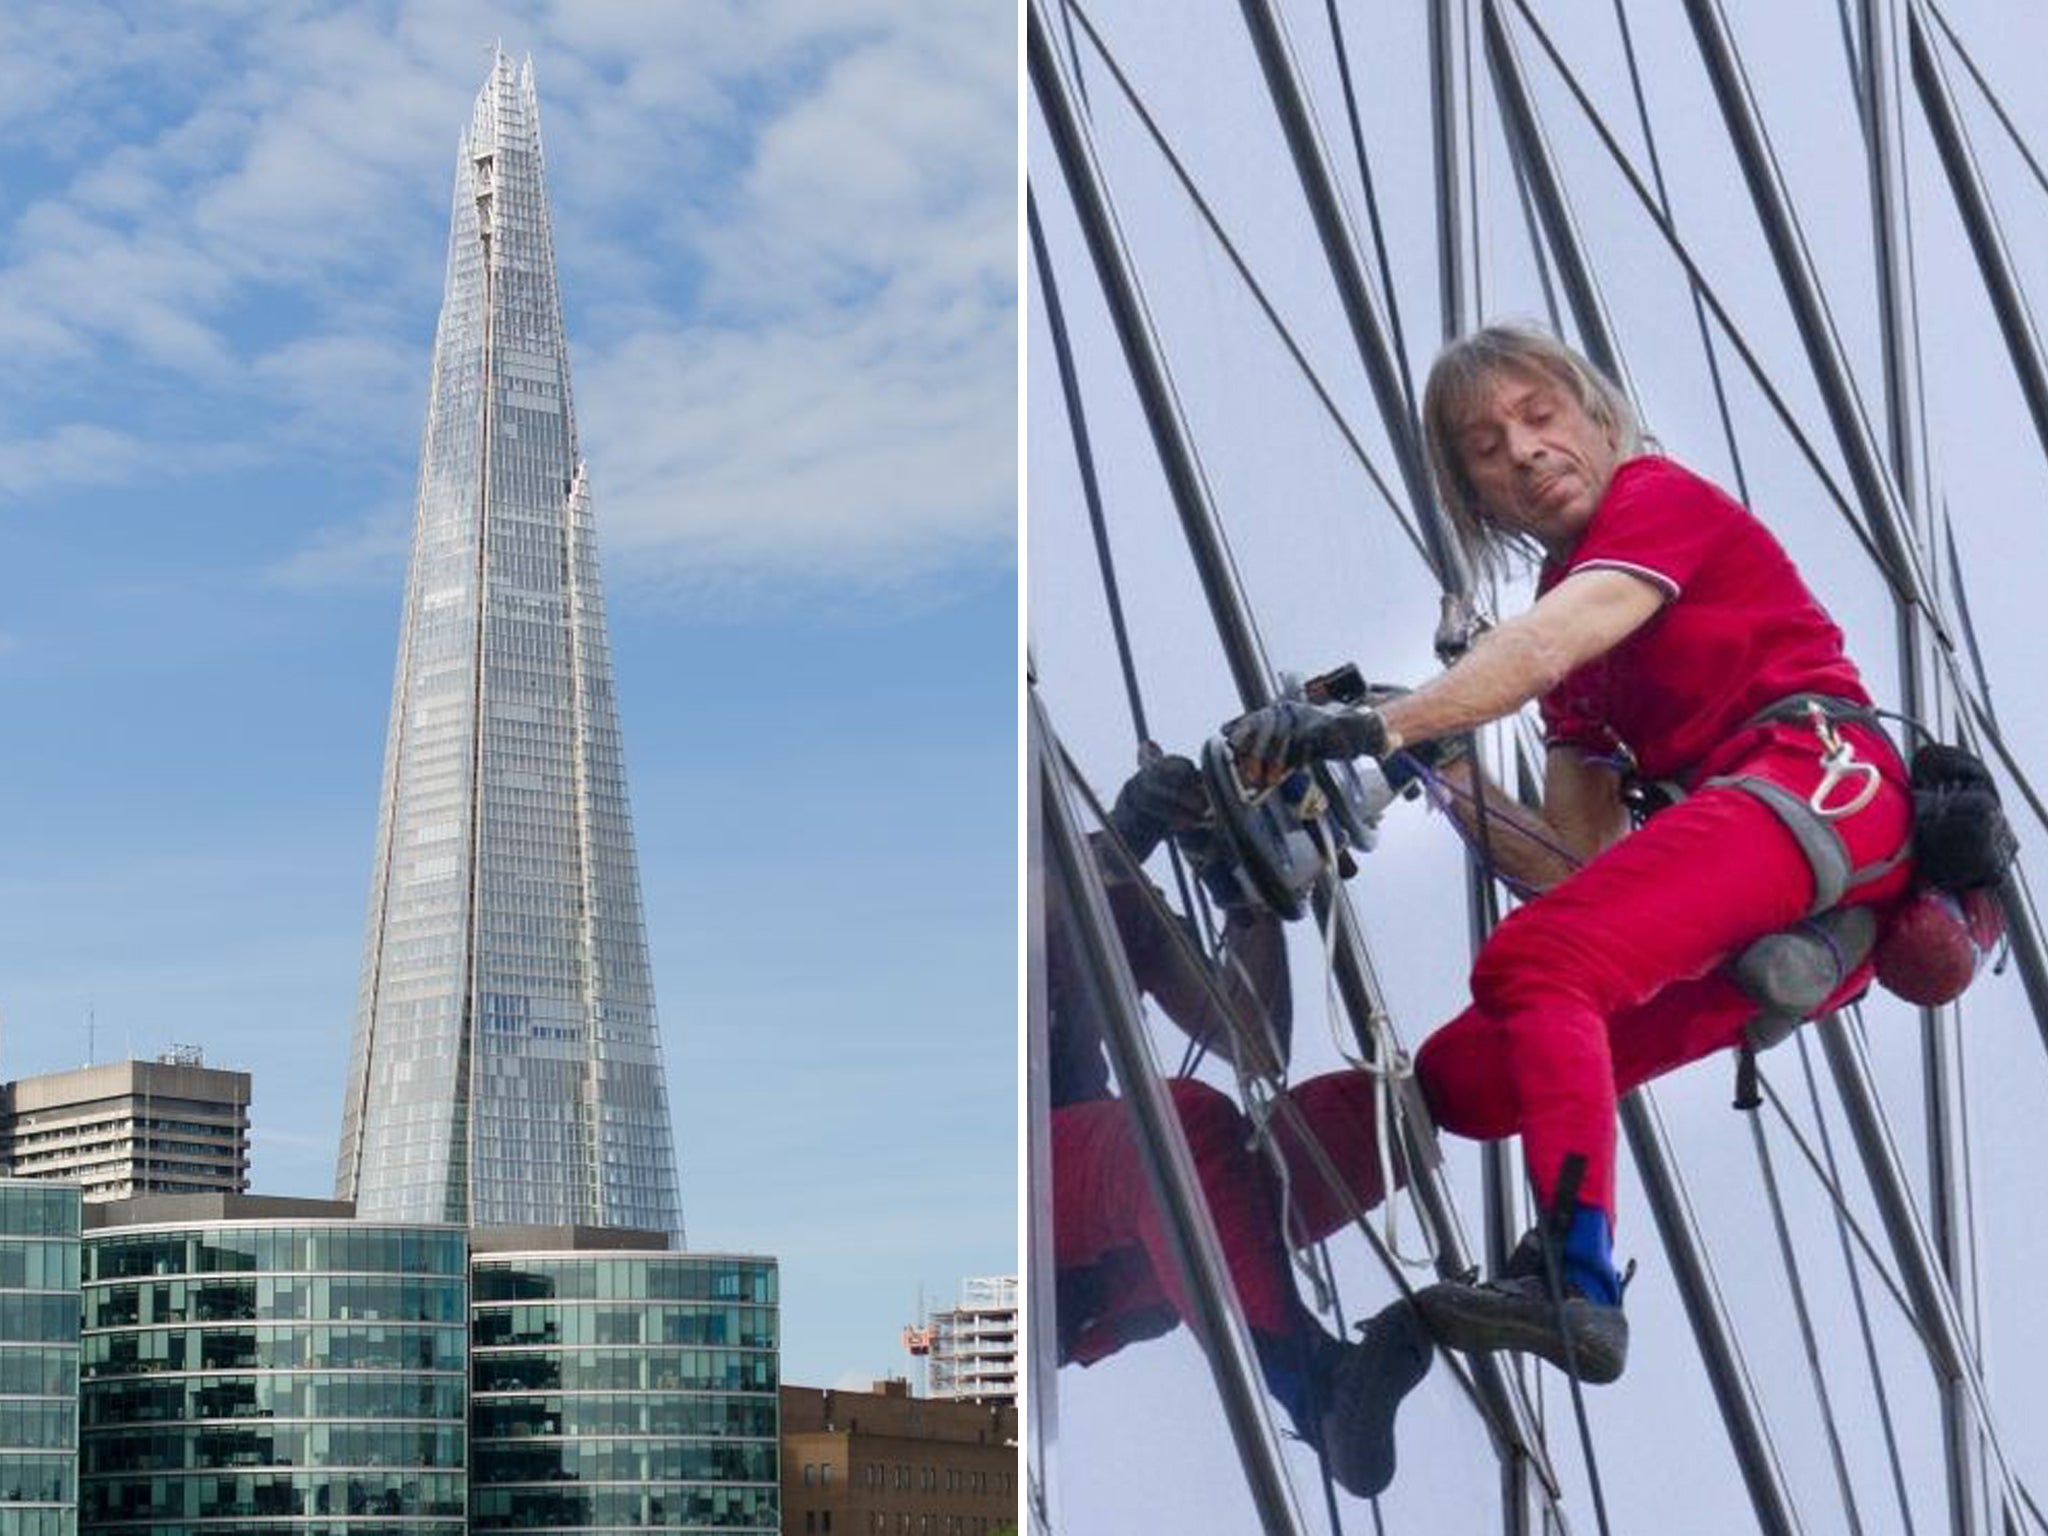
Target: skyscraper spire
[506, 1067]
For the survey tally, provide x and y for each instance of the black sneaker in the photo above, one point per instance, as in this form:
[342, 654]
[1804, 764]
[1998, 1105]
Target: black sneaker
[1516, 1311]
[1369, 1380]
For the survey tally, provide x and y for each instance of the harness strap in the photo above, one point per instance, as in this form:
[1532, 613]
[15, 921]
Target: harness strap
[1833, 875]
[1821, 843]
[1796, 707]
[1811, 824]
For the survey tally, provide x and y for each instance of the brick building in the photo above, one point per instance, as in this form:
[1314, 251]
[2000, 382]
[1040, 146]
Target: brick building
[884, 1463]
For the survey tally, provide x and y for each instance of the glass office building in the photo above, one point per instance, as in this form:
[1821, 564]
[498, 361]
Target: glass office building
[506, 1067]
[290, 1374]
[617, 1390]
[38, 1358]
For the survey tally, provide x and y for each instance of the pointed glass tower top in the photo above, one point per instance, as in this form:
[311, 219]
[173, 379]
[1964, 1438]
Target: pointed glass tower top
[506, 1066]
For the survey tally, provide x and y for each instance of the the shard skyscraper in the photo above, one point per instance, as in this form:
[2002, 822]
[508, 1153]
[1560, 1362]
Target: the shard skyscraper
[506, 1068]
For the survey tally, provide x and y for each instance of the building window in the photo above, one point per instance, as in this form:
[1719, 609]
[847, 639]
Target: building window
[825, 1474]
[810, 1473]
[811, 1521]
[826, 1525]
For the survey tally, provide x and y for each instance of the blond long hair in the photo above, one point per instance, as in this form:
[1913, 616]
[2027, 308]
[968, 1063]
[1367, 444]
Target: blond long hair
[1458, 382]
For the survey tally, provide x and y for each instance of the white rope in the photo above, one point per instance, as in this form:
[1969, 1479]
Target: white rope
[1389, 1067]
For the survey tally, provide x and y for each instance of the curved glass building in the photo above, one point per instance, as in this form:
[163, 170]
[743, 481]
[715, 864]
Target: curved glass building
[623, 1390]
[38, 1358]
[282, 1375]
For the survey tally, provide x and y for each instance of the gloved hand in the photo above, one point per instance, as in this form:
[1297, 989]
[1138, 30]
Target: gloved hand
[1287, 733]
[1406, 765]
[1164, 796]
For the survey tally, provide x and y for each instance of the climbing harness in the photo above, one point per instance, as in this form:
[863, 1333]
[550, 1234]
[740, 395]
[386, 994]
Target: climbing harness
[1811, 818]
[1838, 761]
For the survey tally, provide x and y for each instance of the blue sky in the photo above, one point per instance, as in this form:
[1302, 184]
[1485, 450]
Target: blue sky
[787, 246]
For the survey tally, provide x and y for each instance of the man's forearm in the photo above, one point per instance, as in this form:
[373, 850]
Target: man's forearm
[1505, 669]
[1516, 841]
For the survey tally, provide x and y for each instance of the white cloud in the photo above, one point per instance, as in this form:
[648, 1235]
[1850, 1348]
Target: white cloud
[78, 453]
[820, 447]
[789, 232]
[369, 552]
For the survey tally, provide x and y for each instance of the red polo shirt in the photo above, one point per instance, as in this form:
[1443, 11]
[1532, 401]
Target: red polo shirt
[1739, 629]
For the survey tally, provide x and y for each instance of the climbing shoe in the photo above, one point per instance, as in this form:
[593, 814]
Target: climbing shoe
[1365, 1386]
[1517, 1311]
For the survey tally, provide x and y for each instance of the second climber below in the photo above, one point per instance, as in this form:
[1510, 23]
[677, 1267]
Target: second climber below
[1671, 641]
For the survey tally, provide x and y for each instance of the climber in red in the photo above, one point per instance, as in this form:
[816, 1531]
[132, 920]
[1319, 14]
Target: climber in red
[1671, 641]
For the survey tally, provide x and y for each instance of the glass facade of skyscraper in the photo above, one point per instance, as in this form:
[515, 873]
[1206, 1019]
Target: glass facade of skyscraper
[622, 1391]
[506, 1067]
[38, 1358]
[276, 1376]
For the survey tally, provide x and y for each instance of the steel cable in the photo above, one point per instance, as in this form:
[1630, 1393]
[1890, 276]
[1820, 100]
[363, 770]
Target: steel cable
[1091, 489]
[1252, 284]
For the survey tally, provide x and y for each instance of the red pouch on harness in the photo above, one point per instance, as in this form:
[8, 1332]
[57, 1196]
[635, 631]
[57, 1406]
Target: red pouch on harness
[1936, 943]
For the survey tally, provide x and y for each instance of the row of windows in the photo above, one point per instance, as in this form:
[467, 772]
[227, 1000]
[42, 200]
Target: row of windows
[38, 1522]
[224, 1496]
[379, 1250]
[38, 1211]
[125, 1141]
[747, 1327]
[285, 1395]
[520, 1418]
[364, 1346]
[30, 1265]
[37, 1425]
[38, 1319]
[91, 1168]
[650, 1278]
[903, 1477]
[36, 1479]
[625, 1370]
[412, 1527]
[931, 1525]
[275, 1298]
[625, 1461]
[48, 1370]
[34, 1129]
[280, 1445]
[507, 1509]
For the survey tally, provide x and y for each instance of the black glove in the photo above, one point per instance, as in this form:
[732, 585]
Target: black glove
[1405, 766]
[1269, 742]
[1164, 796]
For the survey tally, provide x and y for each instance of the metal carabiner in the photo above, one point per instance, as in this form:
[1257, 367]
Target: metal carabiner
[1838, 762]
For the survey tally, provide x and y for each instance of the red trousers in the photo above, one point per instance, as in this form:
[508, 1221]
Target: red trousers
[1609, 978]
[1599, 985]
[1103, 1207]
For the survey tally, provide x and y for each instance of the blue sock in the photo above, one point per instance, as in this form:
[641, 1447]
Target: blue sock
[1293, 1365]
[1589, 1256]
